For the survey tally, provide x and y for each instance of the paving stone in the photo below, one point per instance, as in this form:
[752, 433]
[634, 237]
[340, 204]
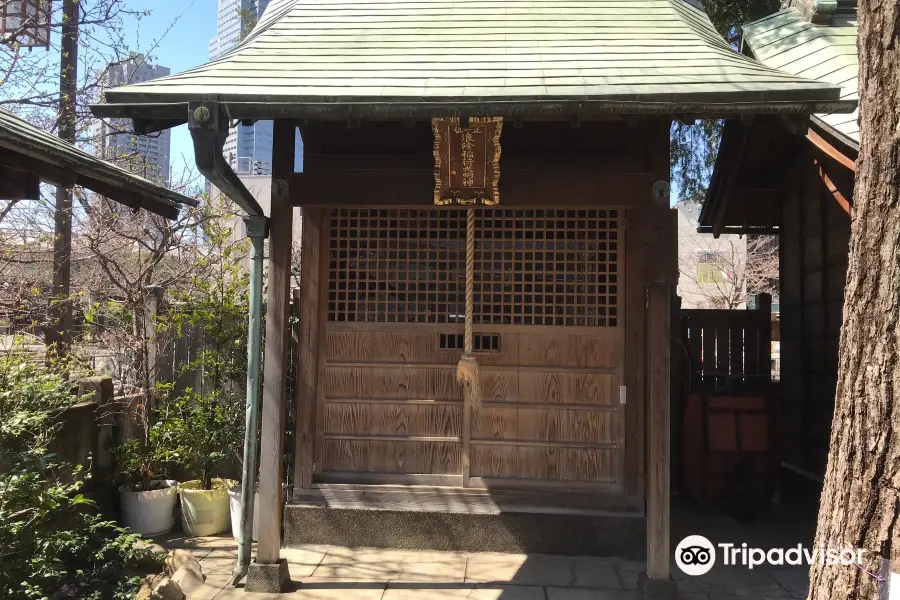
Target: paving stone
[794, 581]
[554, 593]
[628, 579]
[400, 591]
[507, 592]
[213, 584]
[224, 565]
[595, 574]
[520, 569]
[392, 565]
[302, 561]
[335, 589]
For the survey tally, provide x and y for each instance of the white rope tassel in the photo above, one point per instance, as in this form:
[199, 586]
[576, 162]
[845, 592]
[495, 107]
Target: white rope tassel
[467, 370]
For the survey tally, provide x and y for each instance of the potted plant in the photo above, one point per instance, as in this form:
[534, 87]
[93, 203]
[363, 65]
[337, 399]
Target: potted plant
[207, 427]
[207, 420]
[147, 496]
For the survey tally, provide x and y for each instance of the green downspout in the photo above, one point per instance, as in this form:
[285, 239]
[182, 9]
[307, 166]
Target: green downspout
[256, 230]
[208, 124]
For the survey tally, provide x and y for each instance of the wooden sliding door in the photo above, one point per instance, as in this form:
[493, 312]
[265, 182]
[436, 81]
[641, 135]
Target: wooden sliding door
[548, 339]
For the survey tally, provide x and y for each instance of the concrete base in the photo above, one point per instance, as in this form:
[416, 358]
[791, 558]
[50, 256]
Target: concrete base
[656, 589]
[268, 579]
[620, 536]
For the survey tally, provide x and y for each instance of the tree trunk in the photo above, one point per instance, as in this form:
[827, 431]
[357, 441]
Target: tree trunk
[861, 497]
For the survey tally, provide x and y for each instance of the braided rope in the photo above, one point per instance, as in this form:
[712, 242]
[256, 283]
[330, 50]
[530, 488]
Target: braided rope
[470, 277]
[467, 369]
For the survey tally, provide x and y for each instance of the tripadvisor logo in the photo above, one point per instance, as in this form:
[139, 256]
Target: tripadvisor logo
[696, 555]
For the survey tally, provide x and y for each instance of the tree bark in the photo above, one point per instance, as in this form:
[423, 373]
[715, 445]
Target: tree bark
[860, 501]
[59, 338]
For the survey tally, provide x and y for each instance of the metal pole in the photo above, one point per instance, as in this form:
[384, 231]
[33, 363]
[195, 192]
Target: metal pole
[256, 230]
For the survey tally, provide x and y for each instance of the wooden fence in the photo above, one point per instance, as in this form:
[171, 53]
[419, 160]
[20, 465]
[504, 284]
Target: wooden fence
[725, 351]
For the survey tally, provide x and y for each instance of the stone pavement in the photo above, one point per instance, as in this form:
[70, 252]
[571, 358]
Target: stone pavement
[338, 573]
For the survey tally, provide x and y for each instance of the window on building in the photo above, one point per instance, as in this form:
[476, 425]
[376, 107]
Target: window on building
[709, 267]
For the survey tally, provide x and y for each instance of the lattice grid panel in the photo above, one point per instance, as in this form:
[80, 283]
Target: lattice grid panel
[532, 266]
[404, 266]
[547, 267]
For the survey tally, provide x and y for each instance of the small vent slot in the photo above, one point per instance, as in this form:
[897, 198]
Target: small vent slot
[481, 342]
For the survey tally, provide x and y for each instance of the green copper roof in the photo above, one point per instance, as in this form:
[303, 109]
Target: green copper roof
[788, 42]
[332, 58]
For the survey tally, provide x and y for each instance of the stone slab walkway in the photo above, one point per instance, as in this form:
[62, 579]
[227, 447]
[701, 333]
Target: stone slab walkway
[338, 573]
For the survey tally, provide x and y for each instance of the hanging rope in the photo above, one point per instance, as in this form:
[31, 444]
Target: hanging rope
[467, 369]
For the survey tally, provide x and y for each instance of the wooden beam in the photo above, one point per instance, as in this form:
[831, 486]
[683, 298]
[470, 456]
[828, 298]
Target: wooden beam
[319, 412]
[59, 177]
[129, 197]
[833, 190]
[517, 188]
[48, 173]
[18, 185]
[275, 375]
[306, 386]
[731, 153]
[574, 165]
[636, 257]
[830, 151]
[658, 422]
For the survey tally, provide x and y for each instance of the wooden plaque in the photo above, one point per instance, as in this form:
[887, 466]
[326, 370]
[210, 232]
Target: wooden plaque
[467, 161]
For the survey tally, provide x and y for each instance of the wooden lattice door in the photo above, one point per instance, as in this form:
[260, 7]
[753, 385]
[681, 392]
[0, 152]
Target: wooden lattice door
[548, 284]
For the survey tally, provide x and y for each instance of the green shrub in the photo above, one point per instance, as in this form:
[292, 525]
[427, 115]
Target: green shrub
[53, 542]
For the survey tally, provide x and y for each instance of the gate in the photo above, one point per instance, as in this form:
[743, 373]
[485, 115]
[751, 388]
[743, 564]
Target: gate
[722, 371]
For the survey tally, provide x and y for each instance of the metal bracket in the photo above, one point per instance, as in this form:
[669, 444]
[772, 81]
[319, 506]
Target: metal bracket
[208, 125]
[257, 226]
[623, 394]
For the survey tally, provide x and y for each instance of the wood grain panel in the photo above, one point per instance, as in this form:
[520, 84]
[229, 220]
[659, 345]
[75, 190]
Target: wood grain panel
[545, 424]
[391, 346]
[544, 463]
[495, 461]
[373, 456]
[384, 343]
[494, 423]
[499, 386]
[393, 419]
[392, 382]
[568, 350]
[567, 426]
[549, 387]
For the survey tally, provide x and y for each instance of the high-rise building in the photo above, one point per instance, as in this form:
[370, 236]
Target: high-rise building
[146, 155]
[248, 148]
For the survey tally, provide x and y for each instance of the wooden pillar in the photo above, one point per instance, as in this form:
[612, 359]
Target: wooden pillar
[658, 313]
[310, 331]
[275, 371]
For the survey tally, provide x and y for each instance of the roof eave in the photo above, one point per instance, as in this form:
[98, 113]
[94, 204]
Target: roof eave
[32, 152]
[175, 107]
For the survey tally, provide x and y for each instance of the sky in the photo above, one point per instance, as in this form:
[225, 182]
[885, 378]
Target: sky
[176, 34]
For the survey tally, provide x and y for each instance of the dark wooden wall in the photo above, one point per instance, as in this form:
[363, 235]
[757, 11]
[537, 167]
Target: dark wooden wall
[597, 163]
[813, 251]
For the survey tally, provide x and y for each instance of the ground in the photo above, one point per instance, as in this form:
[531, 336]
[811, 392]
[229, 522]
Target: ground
[339, 573]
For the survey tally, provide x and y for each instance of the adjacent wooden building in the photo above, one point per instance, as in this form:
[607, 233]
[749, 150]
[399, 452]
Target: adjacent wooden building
[800, 188]
[553, 239]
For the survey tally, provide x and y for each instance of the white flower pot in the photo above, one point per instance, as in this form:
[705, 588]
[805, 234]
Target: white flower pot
[149, 513]
[204, 512]
[234, 501]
